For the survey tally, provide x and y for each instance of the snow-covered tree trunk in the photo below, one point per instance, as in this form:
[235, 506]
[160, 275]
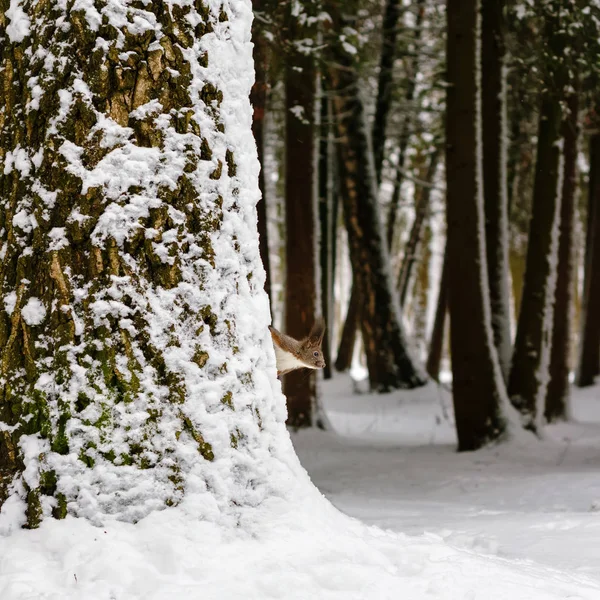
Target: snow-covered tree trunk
[557, 397]
[529, 374]
[133, 328]
[493, 100]
[478, 389]
[390, 361]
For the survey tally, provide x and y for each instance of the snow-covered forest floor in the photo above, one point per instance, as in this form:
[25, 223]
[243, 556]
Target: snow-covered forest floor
[392, 463]
[516, 522]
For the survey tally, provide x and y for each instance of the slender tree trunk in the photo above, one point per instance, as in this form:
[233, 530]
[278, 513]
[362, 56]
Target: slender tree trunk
[478, 389]
[327, 219]
[493, 100]
[345, 351]
[589, 358]
[406, 128]
[529, 375]
[258, 98]
[123, 284]
[300, 217]
[560, 358]
[411, 250]
[436, 345]
[383, 102]
[389, 361]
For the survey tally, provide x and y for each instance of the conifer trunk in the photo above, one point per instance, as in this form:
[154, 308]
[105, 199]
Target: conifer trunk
[436, 345]
[124, 369]
[493, 97]
[589, 358]
[389, 360]
[422, 211]
[562, 330]
[300, 217]
[477, 386]
[529, 375]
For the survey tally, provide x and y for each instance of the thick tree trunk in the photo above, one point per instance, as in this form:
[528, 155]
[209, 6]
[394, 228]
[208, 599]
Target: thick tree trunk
[411, 250]
[529, 375]
[389, 361]
[436, 345]
[300, 218]
[589, 358]
[125, 370]
[383, 102]
[258, 98]
[478, 389]
[562, 330]
[493, 101]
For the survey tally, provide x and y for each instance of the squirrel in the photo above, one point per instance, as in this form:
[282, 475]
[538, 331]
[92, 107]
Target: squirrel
[291, 354]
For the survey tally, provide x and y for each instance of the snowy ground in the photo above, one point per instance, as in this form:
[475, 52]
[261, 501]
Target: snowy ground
[517, 522]
[393, 464]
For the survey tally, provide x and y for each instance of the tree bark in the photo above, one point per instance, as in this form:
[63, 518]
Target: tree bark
[258, 98]
[383, 102]
[493, 100]
[406, 128]
[389, 360]
[411, 250]
[345, 351]
[328, 220]
[529, 375]
[478, 389]
[125, 376]
[560, 357]
[589, 358]
[436, 345]
[300, 217]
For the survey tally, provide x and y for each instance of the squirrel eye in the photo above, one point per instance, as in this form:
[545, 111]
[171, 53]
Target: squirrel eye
[315, 353]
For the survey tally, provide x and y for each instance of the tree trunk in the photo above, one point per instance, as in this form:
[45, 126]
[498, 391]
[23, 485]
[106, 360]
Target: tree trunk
[436, 345]
[529, 375]
[560, 357]
[493, 102]
[300, 217]
[258, 98]
[389, 361]
[328, 221]
[421, 212]
[405, 130]
[345, 351]
[127, 374]
[383, 102]
[589, 357]
[478, 389]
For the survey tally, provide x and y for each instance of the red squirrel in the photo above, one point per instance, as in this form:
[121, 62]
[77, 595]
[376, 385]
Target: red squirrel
[291, 354]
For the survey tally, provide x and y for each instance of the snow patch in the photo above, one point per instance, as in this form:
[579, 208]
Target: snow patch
[33, 312]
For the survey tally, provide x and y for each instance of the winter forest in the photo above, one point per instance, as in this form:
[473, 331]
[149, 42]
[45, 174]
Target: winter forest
[299, 299]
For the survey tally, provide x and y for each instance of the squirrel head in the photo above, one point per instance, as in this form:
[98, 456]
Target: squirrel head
[311, 352]
[292, 354]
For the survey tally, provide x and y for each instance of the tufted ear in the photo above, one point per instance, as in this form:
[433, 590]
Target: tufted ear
[317, 332]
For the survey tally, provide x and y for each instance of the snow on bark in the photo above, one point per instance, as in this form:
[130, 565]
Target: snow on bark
[137, 367]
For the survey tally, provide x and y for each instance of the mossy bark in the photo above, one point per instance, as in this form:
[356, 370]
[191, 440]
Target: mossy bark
[74, 95]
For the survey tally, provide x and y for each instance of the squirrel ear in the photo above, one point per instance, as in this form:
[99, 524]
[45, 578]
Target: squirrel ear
[318, 331]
